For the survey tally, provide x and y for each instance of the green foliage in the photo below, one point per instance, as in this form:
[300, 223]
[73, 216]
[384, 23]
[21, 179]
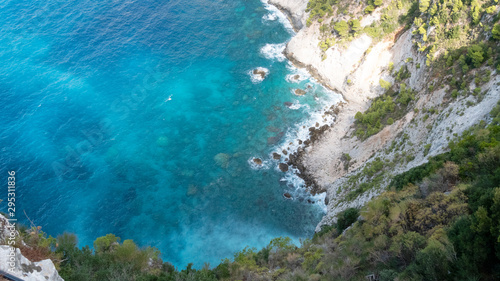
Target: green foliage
[427, 147]
[319, 8]
[385, 84]
[369, 9]
[491, 9]
[391, 67]
[423, 5]
[385, 109]
[355, 25]
[496, 32]
[342, 28]
[106, 243]
[476, 55]
[475, 11]
[346, 219]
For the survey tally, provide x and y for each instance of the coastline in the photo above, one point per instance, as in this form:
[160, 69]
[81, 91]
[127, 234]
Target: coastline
[355, 70]
[313, 150]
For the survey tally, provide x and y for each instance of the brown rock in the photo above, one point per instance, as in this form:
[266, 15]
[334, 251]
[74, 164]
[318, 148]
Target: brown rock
[283, 167]
[260, 72]
[257, 161]
[299, 92]
[276, 156]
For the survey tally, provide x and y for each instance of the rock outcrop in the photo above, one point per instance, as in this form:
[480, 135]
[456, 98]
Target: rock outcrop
[13, 262]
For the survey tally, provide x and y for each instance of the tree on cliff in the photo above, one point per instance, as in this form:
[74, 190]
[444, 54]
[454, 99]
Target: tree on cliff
[355, 25]
[423, 5]
[496, 31]
[342, 28]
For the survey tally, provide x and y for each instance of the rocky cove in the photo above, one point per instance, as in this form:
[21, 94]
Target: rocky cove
[354, 70]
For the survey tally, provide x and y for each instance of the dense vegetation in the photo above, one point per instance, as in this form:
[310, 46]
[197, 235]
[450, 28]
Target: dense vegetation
[383, 110]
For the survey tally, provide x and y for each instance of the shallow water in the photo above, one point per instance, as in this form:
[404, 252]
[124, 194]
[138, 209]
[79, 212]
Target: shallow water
[115, 115]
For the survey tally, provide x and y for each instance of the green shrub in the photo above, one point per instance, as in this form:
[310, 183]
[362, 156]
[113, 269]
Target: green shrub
[496, 31]
[346, 219]
[369, 9]
[385, 84]
[342, 28]
[423, 5]
[476, 55]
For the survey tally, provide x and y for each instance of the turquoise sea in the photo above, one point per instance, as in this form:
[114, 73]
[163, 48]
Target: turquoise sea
[141, 118]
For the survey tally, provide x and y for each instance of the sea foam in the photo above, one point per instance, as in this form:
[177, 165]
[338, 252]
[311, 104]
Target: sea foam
[275, 13]
[273, 51]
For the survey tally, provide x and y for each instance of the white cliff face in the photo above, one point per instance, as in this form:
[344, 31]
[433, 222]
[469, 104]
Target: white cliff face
[23, 268]
[295, 10]
[303, 49]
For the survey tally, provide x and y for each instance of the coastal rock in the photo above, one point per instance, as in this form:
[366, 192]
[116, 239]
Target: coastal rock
[283, 167]
[299, 92]
[287, 195]
[288, 104]
[257, 161]
[295, 10]
[285, 152]
[276, 156]
[222, 159]
[25, 269]
[261, 72]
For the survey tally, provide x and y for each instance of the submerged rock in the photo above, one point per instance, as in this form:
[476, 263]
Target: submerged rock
[222, 159]
[272, 129]
[299, 92]
[192, 190]
[283, 167]
[162, 141]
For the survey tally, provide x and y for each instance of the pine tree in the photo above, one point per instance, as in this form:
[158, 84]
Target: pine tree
[423, 5]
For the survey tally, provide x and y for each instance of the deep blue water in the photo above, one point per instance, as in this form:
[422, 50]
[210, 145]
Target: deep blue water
[114, 112]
